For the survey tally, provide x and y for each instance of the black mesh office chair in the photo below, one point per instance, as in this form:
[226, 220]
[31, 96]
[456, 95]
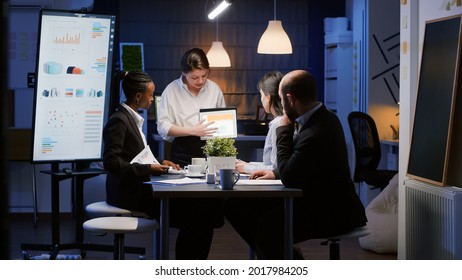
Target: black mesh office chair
[367, 151]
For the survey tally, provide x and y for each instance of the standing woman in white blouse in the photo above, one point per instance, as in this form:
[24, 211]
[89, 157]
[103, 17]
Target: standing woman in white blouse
[179, 122]
[180, 104]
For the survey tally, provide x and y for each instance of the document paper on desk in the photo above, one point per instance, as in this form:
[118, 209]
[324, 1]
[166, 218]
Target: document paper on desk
[145, 157]
[182, 181]
[258, 182]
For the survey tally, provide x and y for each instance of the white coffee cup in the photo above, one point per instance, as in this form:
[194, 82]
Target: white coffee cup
[194, 170]
[199, 161]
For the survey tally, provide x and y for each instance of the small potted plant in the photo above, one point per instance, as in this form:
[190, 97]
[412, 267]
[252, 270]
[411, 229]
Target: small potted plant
[220, 153]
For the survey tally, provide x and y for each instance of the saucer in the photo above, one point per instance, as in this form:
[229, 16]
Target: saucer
[195, 176]
[174, 171]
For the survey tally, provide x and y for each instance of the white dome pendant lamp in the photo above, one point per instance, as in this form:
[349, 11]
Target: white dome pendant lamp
[217, 55]
[274, 40]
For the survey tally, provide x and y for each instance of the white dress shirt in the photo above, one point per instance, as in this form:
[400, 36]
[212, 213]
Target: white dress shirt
[180, 107]
[270, 153]
[139, 120]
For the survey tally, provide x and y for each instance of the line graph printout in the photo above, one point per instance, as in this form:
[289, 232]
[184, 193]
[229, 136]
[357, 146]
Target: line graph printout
[71, 104]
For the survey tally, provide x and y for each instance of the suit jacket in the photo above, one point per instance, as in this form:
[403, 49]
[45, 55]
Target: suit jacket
[124, 181]
[316, 161]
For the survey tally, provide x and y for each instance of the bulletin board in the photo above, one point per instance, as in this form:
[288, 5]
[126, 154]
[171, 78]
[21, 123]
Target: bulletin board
[436, 101]
[22, 44]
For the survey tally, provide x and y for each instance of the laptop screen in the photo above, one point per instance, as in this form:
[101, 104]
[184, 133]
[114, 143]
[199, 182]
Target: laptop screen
[225, 120]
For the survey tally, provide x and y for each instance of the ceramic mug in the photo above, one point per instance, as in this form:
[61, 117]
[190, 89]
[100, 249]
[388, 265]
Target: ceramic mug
[194, 170]
[199, 161]
[228, 178]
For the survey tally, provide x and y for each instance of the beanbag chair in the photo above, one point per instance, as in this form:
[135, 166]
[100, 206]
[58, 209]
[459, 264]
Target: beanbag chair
[382, 216]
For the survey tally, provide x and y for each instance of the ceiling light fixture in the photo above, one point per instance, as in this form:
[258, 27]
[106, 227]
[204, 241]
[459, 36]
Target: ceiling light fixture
[219, 8]
[217, 55]
[274, 40]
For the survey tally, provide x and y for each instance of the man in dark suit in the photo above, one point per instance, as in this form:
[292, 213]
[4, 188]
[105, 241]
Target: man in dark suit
[312, 156]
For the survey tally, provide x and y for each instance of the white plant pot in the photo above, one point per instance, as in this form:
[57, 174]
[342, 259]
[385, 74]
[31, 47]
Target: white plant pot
[220, 163]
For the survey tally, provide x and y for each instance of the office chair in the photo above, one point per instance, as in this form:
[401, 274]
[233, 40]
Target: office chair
[367, 151]
[260, 126]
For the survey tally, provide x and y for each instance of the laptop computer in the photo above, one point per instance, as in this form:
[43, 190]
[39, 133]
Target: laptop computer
[225, 120]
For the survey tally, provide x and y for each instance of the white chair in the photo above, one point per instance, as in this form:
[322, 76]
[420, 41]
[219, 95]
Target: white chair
[120, 226]
[103, 209]
[334, 241]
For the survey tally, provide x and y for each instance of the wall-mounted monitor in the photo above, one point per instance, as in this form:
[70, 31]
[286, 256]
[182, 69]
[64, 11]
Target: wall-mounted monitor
[72, 89]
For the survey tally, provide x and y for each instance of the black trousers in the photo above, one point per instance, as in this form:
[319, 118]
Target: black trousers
[196, 218]
[260, 222]
[186, 148]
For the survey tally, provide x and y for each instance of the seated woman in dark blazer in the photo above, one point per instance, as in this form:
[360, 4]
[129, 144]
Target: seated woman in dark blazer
[123, 140]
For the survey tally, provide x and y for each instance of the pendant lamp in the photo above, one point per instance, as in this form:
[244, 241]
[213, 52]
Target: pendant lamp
[274, 40]
[217, 55]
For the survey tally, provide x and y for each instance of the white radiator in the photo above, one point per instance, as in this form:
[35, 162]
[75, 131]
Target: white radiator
[433, 221]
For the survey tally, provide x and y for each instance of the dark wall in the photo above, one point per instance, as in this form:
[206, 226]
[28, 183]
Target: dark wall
[169, 28]
[4, 230]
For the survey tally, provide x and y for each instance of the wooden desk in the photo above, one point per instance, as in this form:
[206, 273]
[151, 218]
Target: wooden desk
[392, 148]
[19, 140]
[165, 192]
